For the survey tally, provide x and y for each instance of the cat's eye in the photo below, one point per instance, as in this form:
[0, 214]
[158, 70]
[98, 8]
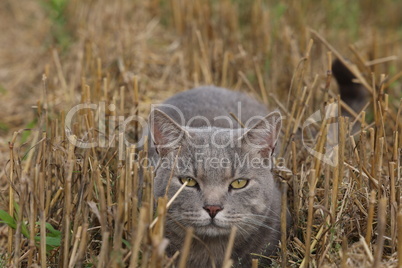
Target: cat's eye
[239, 184]
[190, 181]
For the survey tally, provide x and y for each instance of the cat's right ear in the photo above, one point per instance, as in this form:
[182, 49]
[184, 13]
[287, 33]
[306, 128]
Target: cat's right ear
[264, 134]
[166, 133]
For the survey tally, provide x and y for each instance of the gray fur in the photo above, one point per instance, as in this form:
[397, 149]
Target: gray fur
[254, 210]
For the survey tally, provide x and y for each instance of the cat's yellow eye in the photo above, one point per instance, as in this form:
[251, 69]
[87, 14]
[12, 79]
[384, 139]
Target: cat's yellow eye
[190, 181]
[238, 184]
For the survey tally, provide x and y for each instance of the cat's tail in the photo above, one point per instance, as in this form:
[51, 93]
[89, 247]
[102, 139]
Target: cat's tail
[352, 93]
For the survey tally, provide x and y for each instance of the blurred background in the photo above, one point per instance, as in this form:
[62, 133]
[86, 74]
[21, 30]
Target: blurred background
[172, 45]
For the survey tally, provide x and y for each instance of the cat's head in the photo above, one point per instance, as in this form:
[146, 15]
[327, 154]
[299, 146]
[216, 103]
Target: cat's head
[228, 175]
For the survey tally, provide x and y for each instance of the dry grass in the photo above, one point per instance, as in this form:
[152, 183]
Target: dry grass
[134, 53]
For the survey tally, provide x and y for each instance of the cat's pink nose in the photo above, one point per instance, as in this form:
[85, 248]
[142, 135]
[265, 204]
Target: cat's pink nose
[213, 210]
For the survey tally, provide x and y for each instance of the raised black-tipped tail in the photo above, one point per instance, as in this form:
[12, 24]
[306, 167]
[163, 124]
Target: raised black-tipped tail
[352, 93]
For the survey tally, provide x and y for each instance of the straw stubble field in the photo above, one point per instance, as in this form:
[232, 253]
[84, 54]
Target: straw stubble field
[64, 206]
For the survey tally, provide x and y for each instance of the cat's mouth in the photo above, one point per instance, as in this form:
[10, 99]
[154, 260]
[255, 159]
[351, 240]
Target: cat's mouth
[214, 223]
[213, 228]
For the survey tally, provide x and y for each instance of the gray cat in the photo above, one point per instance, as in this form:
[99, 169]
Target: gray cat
[227, 169]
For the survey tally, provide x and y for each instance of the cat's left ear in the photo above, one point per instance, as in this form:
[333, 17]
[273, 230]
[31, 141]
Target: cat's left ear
[263, 136]
[166, 133]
